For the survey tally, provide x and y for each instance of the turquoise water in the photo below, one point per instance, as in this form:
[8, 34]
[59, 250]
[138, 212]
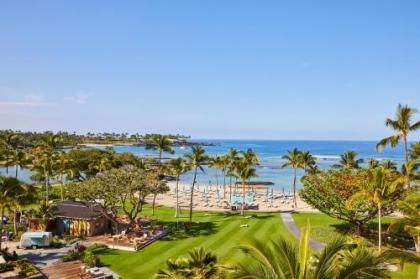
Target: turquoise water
[269, 153]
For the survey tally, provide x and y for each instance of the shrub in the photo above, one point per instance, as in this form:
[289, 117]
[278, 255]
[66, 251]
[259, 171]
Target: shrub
[7, 266]
[26, 268]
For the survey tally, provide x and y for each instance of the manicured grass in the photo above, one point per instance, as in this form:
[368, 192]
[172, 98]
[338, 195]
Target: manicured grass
[217, 231]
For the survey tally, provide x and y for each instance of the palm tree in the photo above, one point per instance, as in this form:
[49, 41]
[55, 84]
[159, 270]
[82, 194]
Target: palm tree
[224, 165]
[162, 143]
[8, 188]
[284, 259]
[62, 168]
[348, 160]
[100, 165]
[22, 195]
[51, 141]
[17, 158]
[410, 222]
[373, 163]
[232, 157]
[215, 162]
[308, 161]
[293, 160]
[402, 126]
[377, 190]
[44, 164]
[177, 167]
[200, 264]
[244, 169]
[195, 160]
[389, 165]
[45, 212]
[10, 142]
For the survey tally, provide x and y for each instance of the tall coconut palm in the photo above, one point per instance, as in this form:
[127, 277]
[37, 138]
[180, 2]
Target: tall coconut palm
[19, 159]
[402, 126]
[177, 167]
[308, 161]
[285, 259]
[161, 143]
[373, 163]
[23, 195]
[377, 190]
[215, 162]
[410, 222]
[200, 264]
[196, 160]
[293, 160]
[244, 169]
[100, 165]
[348, 160]
[389, 165]
[44, 164]
[51, 141]
[224, 166]
[10, 142]
[8, 188]
[232, 157]
[62, 167]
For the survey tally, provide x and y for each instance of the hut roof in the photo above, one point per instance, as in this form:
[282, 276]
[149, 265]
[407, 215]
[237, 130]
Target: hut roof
[78, 210]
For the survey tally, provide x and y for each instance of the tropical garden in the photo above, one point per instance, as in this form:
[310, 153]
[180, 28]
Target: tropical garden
[369, 210]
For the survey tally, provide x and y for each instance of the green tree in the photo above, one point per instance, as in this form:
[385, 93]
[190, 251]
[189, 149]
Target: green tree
[196, 159]
[8, 189]
[216, 163]
[378, 190]
[244, 169]
[62, 167]
[17, 158]
[125, 187]
[284, 259]
[200, 264]
[177, 167]
[232, 157]
[161, 143]
[410, 222]
[43, 164]
[329, 192]
[348, 160]
[402, 126]
[308, 161]
[293, 160]
[389, 165]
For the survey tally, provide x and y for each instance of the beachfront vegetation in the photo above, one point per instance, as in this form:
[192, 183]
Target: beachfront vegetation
[196, 159]
[126, 187]
[351, 192]
[331, 192]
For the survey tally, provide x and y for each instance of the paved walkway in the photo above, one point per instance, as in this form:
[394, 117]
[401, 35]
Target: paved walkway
[295, 231]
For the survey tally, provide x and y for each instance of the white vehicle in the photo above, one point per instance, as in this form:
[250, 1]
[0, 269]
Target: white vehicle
[36, 240]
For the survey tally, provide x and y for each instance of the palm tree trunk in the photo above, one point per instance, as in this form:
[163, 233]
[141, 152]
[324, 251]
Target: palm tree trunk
[14, 223]
[177, 198]
[16, 170]
[406, 160]
[379, 227]
[1, 224]
[47, 187]
[243, 198]
[217, 179]
[230, 188]
[294, 187]
[192, 193]
[62, 187]
[153, 204]
[224, 184]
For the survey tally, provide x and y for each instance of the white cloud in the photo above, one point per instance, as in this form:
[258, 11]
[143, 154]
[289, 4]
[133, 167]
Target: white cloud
[29, 100]
[80, 98]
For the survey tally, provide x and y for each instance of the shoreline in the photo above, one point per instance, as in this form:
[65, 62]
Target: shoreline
[210, 198]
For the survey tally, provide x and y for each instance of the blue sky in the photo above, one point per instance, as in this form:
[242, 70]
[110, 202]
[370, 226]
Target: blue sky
[209, 69]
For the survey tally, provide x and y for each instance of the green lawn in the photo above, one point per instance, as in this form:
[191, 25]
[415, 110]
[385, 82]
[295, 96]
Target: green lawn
[217, 231]
[323, 228]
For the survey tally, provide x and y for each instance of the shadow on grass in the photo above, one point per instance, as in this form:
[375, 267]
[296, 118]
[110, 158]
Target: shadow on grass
[194, 230]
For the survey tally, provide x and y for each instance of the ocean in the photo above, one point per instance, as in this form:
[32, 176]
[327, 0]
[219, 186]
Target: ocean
[269, 153]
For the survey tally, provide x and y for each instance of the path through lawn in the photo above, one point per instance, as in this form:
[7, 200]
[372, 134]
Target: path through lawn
[217, 231]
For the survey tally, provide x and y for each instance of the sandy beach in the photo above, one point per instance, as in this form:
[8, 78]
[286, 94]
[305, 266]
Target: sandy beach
[211, 198]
